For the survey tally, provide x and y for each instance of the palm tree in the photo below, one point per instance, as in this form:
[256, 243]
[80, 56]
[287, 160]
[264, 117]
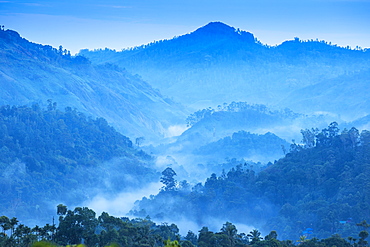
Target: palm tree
[254, 236]
[37, 231]
[302, 239]
[230, 231]
[4, 223]
[12, 223]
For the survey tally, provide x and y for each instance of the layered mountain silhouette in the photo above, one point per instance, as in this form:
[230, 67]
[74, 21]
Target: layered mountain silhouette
[33, 73]
[218, 63]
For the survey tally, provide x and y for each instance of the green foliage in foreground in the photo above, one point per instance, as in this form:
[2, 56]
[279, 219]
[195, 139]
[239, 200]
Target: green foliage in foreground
[81, 228]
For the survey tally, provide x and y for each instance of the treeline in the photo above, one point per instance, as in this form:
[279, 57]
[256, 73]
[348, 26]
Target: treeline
[39, 136]
[244, 144]
[81, 225]
[322, 184]
[240, 107]
[53, 154]
[51, 54]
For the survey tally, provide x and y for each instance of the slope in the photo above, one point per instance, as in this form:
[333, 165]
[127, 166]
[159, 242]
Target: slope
[346, 93]
[49, 156]
[218, 63]
[35, 73]
[324, 187]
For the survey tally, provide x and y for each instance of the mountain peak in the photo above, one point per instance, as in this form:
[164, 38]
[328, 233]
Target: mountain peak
[217, 28]
[221, 29]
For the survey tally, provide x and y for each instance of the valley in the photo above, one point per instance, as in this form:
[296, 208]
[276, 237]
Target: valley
[209, 127]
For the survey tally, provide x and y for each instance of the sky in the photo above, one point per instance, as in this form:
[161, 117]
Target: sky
[119, 24]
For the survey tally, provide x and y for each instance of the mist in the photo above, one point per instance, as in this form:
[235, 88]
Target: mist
[120, 204]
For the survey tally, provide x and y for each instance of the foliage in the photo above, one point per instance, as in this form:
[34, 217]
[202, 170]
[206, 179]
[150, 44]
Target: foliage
[233, 107]
[168, 179]
[56, 155]
[244, 144]
[81, 226]
[318, 189]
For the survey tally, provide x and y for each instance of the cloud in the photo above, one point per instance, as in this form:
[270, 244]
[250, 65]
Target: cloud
[115, 6]
[122, 203]
[34, 4]
[176, 130]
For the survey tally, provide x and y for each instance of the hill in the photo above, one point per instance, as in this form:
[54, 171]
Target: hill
[321, 185]
[218, 63]
[238, 131]
[33, 73]
[48, 156]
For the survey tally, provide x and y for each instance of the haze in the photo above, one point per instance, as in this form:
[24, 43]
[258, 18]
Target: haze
[120, 24]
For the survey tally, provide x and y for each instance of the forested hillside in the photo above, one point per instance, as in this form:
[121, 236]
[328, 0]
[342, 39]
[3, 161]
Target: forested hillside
[218, 63]
[322, 185]
[33, 73]
[245, 145]
[239, 130]
[66, 123]
[48, 156]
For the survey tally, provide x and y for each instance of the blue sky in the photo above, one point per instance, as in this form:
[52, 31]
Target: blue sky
[117, 24]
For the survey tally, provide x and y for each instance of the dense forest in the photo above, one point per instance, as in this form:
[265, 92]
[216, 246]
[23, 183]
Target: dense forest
[48, 156]
[236, 130]
[320, 184]
[82, 225]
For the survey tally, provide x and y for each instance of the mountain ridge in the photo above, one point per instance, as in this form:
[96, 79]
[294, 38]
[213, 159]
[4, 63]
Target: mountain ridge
[34, 73]
[214, 65]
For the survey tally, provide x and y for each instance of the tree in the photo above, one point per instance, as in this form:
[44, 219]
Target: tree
[169, 243]
[205, 236]
[61, 209]
[191, 237]
[139, 140]
[363, 235]
[43, 244]
[230, 231]
[271, 235]
[254, 236]
[168, 180]
[12, 223]
[302, 239]
[363, 224]
[4, 223]
[77, 225]
[309, 137]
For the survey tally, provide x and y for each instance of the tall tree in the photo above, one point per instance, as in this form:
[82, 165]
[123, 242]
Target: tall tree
[168, 179]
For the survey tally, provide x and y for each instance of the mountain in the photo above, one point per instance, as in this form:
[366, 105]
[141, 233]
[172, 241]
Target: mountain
[238, 131]
[33, 73]
[218, 63]
[321, 185]
[244, 145]
[48, 157]
[344, 94]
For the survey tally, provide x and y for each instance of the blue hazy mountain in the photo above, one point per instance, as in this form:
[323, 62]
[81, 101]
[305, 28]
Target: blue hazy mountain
[33, 73]
[241, 131]
[48, 156]
[322, 184]
[218, 63]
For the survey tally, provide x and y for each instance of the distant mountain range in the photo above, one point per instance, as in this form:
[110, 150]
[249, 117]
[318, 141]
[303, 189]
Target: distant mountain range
[33, 73]
[255, 99]
[219, 64]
